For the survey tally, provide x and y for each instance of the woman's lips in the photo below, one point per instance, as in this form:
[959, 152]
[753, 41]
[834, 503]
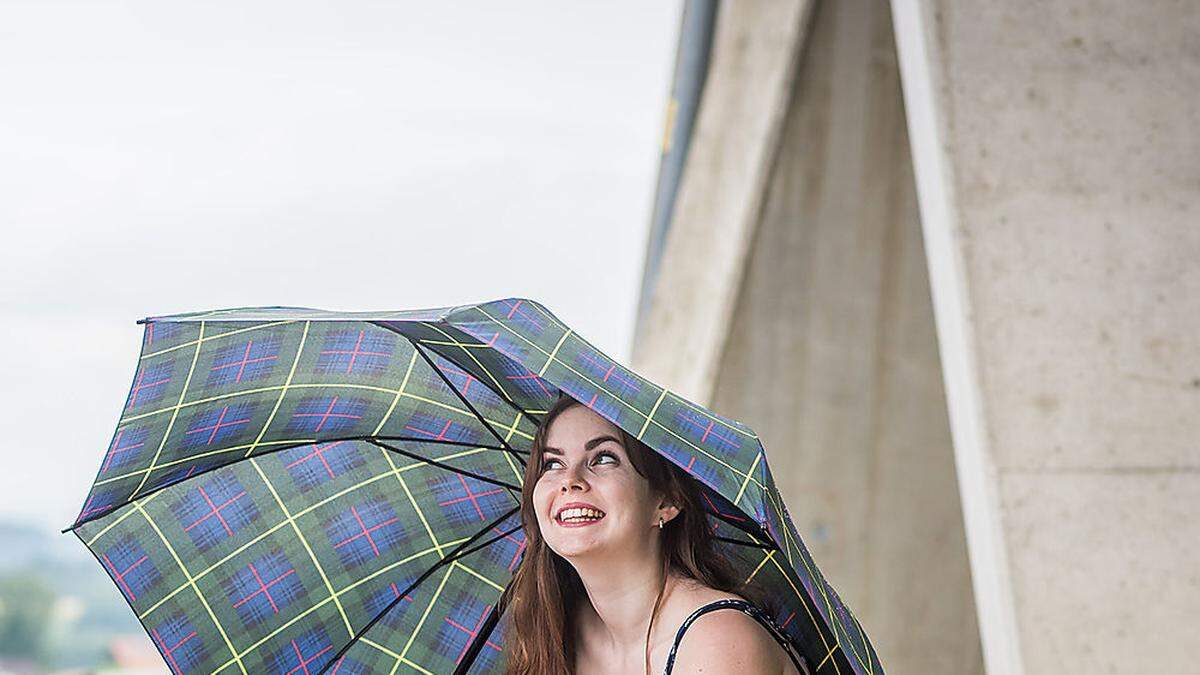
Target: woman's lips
[581, 523]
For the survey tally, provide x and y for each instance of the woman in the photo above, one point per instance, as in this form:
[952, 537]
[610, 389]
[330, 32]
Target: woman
[620, 561]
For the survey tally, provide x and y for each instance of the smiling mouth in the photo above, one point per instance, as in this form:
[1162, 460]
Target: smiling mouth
[579, 516]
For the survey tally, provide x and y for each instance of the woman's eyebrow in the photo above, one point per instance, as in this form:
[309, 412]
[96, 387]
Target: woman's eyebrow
[586, 446]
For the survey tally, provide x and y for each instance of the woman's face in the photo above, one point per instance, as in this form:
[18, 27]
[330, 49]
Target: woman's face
[584, 454]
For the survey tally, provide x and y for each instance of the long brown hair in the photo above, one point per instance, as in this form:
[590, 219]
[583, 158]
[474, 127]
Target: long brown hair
[546, 592]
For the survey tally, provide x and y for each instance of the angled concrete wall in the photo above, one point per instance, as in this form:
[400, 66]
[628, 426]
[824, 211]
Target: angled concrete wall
[826, 344]
[1056, 152]
[832, 353]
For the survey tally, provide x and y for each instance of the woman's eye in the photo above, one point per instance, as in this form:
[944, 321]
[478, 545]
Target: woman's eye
[546, 464]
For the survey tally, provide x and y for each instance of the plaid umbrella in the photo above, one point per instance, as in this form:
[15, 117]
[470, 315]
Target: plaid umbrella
[296, 490]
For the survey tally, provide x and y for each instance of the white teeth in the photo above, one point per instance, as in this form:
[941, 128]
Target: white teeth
[578, 514]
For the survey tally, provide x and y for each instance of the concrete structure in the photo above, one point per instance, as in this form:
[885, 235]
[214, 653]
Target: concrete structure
[1054, 152]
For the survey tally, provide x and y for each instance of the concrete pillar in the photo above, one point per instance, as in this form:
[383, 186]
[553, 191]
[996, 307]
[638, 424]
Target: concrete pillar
[1055, 147]
[832, 355]
[793, 295]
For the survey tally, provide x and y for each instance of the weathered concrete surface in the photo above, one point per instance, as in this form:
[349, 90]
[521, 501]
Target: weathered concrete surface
[825, 343]
[1058, 161]
[832, 355]
[755, 50]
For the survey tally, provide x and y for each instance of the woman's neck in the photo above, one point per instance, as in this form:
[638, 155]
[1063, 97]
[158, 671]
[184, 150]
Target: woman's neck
[620, 600]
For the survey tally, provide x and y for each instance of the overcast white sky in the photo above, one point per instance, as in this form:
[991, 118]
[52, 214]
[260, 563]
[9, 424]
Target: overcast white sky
[168, 157]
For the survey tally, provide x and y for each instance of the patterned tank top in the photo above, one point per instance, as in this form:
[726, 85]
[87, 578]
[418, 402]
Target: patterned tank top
[748, 608]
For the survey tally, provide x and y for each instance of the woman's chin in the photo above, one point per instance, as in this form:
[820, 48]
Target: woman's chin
[576, 548]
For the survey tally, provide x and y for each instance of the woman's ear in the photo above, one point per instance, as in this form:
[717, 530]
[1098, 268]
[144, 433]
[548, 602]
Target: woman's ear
[667, 510]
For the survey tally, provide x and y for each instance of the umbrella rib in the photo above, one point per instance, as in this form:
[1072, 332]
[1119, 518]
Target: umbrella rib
[462, 398]
[281, 448]
[440, 465]
[454, 555]
[752, 544]
[771, 543]
[485, 632]
[501, 393]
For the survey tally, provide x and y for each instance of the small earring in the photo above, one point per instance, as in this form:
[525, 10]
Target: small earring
[660, 521]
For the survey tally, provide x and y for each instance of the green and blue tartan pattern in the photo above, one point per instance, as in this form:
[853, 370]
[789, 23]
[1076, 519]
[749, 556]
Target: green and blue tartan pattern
[295, 490]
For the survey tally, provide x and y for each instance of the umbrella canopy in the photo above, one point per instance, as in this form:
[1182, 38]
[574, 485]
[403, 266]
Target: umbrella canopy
[296, 490]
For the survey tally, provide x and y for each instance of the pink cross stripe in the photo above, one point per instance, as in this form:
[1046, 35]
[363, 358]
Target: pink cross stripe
[789, 620]
[139, 384]
[245, 361]
[318, 452]
[264, 588]
[220, 423]
[356, 352]
[328, 414]
[520, 547]
[216, 510]
[396, 592]
[116, 448]
[88, 509]
[366, 532]
[469, 378]
[491, 341]
[715, 510]
[472, 496]
[709, 430]
[471, 633]
[610, 371]
[516, 309]
[530, 376]
[169, 652]
[304, 662]
[440, 436]
[120, 576]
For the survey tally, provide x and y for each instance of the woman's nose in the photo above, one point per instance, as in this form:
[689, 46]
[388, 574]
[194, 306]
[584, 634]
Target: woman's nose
[573, 480]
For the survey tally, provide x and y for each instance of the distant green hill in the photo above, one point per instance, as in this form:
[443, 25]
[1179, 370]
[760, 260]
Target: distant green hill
[35, 556]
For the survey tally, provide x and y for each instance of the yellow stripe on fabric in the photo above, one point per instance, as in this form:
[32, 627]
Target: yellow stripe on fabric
[550, 359]
[217, 336]
[398, 563]
[512, 429]
[758, 567]
[436, 594]
[693, 406]
[123, 516]
[412, 500]
[327, 600]
[814, 620]
[646, 424]
[394, 655]
[201, 455]
[828, 655]
[279, 401]
[463, 347]
[300, 536]
[742, 490]
[788, 542]
[403, 383]
[263, 535]
[175, 414]
[625, 403]
[262, 390]
[319, 385]
[192, 582]
[862, 633]
[479, 576]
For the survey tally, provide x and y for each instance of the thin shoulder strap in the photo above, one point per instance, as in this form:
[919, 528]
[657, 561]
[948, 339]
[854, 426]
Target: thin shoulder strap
[748, 608]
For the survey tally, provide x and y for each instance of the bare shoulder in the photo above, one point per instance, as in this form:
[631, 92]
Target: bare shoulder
[727, 641]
